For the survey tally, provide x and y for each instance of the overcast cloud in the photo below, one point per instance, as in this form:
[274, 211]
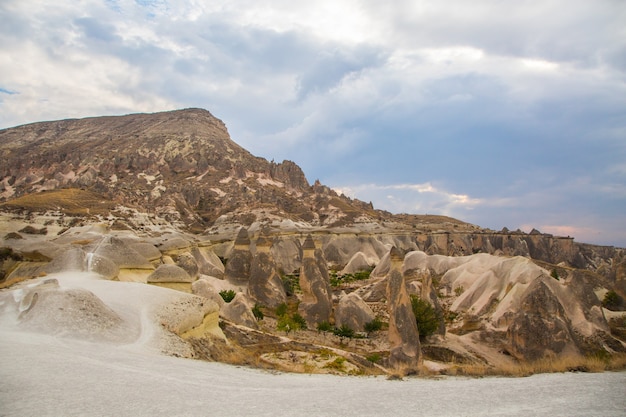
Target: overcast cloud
[497, 113]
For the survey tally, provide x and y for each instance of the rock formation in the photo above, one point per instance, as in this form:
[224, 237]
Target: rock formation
[404, 354]
[316, 304]
[239, 311]
[237, 270]
[166, 198]
[265, 286]
[353, 312]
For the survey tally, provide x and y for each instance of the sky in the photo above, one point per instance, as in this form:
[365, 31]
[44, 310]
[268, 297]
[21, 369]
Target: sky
[501, 114]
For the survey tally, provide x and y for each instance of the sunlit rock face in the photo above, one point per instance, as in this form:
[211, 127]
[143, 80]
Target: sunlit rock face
[403, 335]
[316, 303]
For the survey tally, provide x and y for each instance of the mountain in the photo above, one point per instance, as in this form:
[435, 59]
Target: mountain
[168, 199]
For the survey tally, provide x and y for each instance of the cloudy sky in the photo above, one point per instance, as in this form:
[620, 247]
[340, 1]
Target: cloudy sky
[497, 113]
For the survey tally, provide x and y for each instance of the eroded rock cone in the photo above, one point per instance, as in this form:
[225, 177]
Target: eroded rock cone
[403, 335]
[237, 269]
[265, 286]
[316, 304]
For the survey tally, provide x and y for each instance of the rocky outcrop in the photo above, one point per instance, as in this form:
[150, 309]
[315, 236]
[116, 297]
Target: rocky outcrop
[265, 286]
[77, 313]
[204, 288]
[208, 262]
[170, 273]
[404, 340]
[187, 262]
[540, 327]
[316, 303]
[239, 311]
[237, 269]
[353, 312]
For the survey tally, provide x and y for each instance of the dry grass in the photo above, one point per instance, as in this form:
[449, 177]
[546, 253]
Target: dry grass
[71, 201]
[543, 366]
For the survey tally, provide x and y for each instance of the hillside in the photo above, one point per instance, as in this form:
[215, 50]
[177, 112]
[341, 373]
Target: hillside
[257, 266]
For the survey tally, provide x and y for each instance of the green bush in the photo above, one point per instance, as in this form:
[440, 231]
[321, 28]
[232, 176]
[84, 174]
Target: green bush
[291, 283]
[554, 274]
[344, 331]
[228, 295]
[336, 364]
[288, 323]
[299, 320]
[374, 357]
[373, 326]
[281, 310]
[324, 326]
[612, 300]
[258, 312]
[425, 315]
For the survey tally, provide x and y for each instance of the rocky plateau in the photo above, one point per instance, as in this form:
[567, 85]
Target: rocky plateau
[256, 266]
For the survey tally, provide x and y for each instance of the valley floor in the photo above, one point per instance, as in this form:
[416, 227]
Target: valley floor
[49, 376]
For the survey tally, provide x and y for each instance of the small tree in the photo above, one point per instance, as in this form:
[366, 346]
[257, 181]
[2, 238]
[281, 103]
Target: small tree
[324, 326]
[554, 274]
[343, 332]
[425, 315]
[281, 310]
[612, 300]
[228, 295]
[258, 312]
[373, 326]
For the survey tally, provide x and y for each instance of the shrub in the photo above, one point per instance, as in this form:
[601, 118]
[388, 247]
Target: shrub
[459, 290]
[258, 312]
[373, 326]
[288, 323]
[299, 320]
[425, 315]
[281, 310]
[612, 300]
[554, 274]
[374, 357]
[344, 331]
[291, 283]
[336, 364]
[228, 295]
[324, 326]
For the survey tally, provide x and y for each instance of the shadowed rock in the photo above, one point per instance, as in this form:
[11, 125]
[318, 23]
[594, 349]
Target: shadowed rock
[316, 304]
[403, 335]
[239, 311]
[265, 286]
[237, 270]
[208, 262]
[353, 312]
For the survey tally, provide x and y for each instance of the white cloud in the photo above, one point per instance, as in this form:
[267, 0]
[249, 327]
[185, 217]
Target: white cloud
[465, 107]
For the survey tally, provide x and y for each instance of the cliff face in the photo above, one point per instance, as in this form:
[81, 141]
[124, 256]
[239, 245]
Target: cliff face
[179, 163]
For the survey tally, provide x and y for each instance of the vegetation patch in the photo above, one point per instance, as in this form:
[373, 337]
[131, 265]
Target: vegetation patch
[73, 201]
[228, 295]
[425, 315]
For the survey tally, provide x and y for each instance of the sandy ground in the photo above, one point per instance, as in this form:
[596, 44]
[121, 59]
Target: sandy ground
[51, 376]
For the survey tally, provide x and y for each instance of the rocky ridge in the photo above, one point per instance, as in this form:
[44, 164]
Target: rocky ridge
[179, 205]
